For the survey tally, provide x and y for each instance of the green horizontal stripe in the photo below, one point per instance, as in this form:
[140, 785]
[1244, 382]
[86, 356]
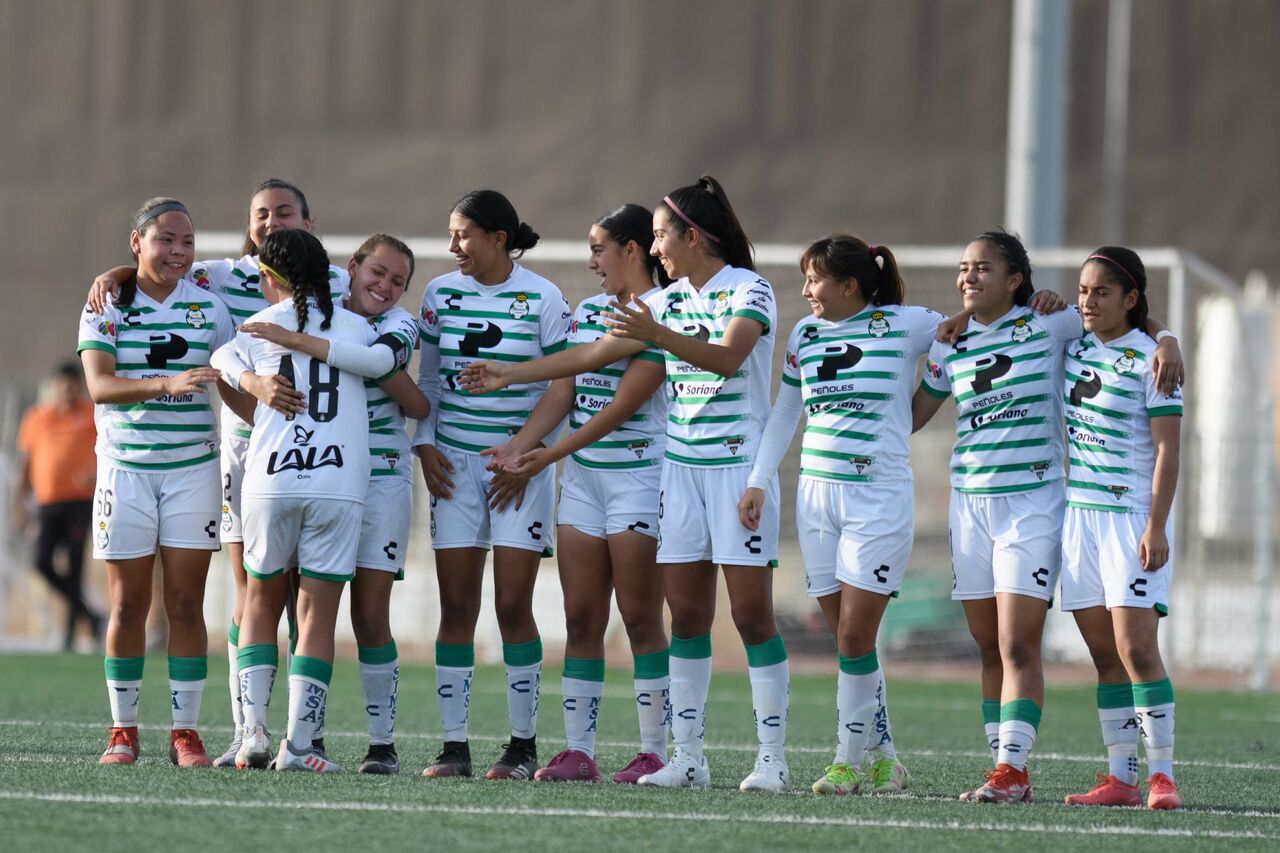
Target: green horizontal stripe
[706, 463]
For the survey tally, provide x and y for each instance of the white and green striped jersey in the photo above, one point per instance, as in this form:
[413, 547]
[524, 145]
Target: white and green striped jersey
[388, 442]
[1110, 398]
[856, 377]
[711, 419]
[640, 440]
[150, 339]
[462, 320]
[1007, 380]
[322, 452]
[236, 281]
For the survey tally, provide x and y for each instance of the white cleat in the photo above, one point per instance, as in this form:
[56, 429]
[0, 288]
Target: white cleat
[683, 771]
[255, 749]
[308, 760]
[770, 773]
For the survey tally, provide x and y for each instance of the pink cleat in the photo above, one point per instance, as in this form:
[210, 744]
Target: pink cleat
[569, 766]
[1162, 793]
[1109, 791]
[643, 764]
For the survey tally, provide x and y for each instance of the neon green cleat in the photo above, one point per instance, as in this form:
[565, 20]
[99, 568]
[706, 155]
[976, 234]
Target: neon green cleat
[840, 779]
[886, 775]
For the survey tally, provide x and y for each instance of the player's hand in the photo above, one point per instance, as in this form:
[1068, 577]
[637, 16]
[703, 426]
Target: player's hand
[633, 321]
[191, 381]
[275, 392]
[1167, 364]
[1047, 302]
[532, 463]
[750, 507]
[950, 329]
[1153, 550]
[103, 286]
[480, 377]
[502, 457]
[436, 469]
[506, 488]
[272, 332]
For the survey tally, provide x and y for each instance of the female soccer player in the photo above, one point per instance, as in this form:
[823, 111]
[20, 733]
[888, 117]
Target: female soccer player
[380, 272]
[276, 205]
[1123, 436]
[305, 480]
[146, 364]
[851, 366]
[490, 307]
[608, 515]
[716, 326]
[1008, 496]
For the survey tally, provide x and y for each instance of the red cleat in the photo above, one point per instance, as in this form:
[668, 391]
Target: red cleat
[1005, 784]
[186, 749]
[1109, 791]
[1162, 794]
[122, 747]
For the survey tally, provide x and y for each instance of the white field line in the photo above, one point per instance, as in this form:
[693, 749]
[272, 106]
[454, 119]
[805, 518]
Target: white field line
[602, 814]
[621, 744]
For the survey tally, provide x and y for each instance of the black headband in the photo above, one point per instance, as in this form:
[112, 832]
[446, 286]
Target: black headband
[159, 210]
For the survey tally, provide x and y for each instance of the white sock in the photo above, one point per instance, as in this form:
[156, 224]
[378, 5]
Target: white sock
[770, 694]
[453, 695]
[123, 696]
[855, 715]
[581, 710]
[255, 693]
[185, 698]
[233, 684]
[307, 700]
[1157, 737]
[524, 683]
[881, 737]
[1016, 739]
[653, 708]
[1120, 737]
[690, 682]
[380, 683]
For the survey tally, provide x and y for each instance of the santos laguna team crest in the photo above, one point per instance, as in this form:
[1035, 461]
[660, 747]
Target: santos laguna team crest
[1021, 331]
[519, 307]
[878, 327]
[102, 537]
[195, 317]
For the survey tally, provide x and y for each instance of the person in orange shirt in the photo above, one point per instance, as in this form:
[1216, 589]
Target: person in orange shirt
[57, 463]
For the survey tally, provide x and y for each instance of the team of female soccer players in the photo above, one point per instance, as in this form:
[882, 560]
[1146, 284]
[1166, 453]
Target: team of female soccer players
[670, 468]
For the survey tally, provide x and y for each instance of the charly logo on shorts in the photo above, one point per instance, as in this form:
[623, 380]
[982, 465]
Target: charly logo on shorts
[879, 325]
[519, 308]
[103, 538]
[1125, 363]
[195, 317]
[226, 519]
[1021, 331]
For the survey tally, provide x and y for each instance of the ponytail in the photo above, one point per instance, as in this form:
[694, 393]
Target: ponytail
[705, 208]
[493, 212]
[633, 223]
[848, 258]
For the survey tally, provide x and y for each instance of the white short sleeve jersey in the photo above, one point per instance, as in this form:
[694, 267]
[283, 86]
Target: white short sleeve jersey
[856, 377]
[388, 443]
[1110, 398]
[639, 441]
[1007, 380]
[150, 339]
[716, 420]
[236, 281]
[523, 318]
[323, 452]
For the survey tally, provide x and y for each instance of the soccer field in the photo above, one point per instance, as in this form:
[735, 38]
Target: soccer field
[53, 794]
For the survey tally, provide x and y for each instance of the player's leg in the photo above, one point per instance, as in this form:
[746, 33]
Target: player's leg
[232, 533]
[185, 572]
[515, 571]
[585, 579]
[1136, 637]
[311, 669]
[460, 578]
[129, 593]
[973, 585]
[379, 665]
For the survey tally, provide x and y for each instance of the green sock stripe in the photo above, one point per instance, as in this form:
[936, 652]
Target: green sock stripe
[257, 654]
[691, 648]
[653, 665]
[584, 669]
[768, 653]
[861, 665]
[189, 669]
[990, 711]
[1115, 695]
[233, 634]
[1021, 709]
[123, 669]
[523, 654]
[377, 654]
[456, 655]
[1150, 693]
[314, 668]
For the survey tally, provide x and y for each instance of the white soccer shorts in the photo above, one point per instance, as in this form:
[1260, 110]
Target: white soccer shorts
[318, 535]
[465, 520]
[1007, 543]
[134, 512]
[854, 533]
[1100, 565]
[698, 518]
[601, 503]
[232, 462]
[384, 525]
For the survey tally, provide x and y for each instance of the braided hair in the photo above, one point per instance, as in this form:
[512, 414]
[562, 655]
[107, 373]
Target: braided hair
[299, 257]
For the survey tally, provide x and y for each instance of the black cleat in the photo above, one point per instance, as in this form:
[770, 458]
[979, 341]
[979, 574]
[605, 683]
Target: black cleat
[519, 760]
[381, 759]
[454, 760]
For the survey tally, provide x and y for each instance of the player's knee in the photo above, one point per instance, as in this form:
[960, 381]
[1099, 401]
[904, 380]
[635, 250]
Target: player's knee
[1140, 659]
[754, 621]
[643, 628]
[513, 609]
[856, 641]
[371, 627]
[186, 609]
[583, 627]
[129, 613]
[1018, 653]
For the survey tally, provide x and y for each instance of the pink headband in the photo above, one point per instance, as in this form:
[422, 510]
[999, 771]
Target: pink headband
[1117, 265]
[687, 221]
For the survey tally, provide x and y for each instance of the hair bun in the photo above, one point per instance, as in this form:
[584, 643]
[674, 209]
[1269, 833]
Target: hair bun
[524, 238]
